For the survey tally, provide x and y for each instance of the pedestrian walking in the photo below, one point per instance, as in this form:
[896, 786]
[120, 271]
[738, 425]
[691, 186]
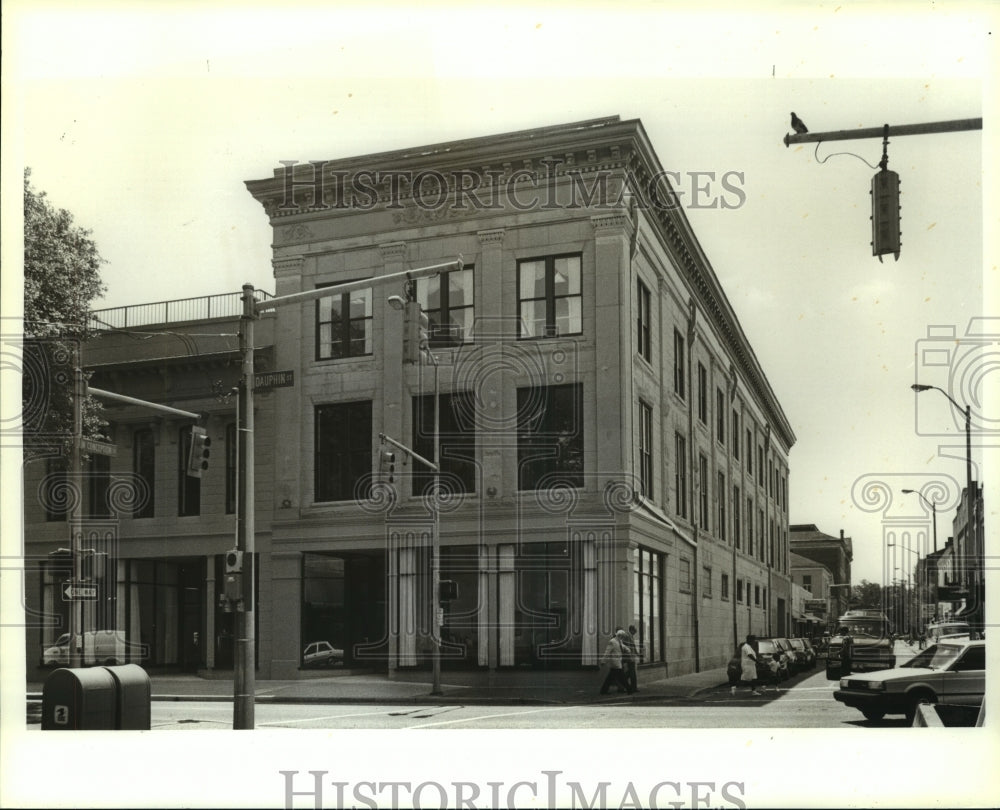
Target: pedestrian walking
[613, 659]
[748, 666]
[631, 665]
[846, 651]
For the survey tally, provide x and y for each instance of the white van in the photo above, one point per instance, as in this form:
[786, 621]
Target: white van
[97, 646]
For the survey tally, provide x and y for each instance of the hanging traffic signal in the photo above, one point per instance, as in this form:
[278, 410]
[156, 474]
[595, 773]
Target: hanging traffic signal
[885, 214]
[198, 452]
[387, 464]
[416, 332]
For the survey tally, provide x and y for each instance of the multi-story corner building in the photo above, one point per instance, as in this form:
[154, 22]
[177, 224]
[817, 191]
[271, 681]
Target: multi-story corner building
[833, 553]
[968, 556]
[611, 451]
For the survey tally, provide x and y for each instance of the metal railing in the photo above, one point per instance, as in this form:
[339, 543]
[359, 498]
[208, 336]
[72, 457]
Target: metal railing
[224, 305]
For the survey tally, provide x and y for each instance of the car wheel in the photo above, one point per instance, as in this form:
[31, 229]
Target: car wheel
[923, 696]
[873, 715]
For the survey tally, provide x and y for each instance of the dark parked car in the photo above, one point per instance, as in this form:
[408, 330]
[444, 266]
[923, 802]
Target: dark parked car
[804, 652]
[795, 662]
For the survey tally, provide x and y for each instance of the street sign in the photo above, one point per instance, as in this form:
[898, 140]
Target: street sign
[102, 449]
[75, 592]
[273, 379]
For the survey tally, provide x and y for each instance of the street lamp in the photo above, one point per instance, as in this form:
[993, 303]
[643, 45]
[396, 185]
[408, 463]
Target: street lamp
[971, 530]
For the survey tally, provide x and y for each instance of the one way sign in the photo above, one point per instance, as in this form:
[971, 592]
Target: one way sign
[73, 592]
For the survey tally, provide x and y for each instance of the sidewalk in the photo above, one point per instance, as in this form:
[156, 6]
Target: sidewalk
[530, 687]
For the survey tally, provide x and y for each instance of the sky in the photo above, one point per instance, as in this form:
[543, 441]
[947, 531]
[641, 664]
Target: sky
[144, 121]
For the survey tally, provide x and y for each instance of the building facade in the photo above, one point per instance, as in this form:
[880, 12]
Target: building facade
[835, 554]
[815, 579]
[611, 452]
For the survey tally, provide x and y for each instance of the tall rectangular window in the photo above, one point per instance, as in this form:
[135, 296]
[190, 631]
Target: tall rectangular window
[702, 394]
[737, 508]
[721, 493]
[447, 300]
[706, 582]
[344, 325]
[550, 436]
[646, 449]
[144, 466]
[343, 455]
[680, 474]
[647, 613]
[679, 364]
[720, 416]
[749, 522]
[99, 481]
[188, 487]
[643, 318]
[739, 590]
[756, 595]
[807, 582]
[760, 464]
[724, 587]
[702, 492]
[232, 454]
[457, 443]
[550, 296]
[749, 452]
[761, 537]
[736, 434]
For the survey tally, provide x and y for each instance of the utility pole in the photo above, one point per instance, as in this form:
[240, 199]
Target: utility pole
[76, 635]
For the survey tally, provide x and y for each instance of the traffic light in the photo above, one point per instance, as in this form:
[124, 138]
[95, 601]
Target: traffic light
[447, 590]
[198, 452]
[232, 581]
[885, 214]
[387, 464]
[416, 332]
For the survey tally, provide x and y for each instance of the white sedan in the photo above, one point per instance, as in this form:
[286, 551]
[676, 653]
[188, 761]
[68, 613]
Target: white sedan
[321, 654]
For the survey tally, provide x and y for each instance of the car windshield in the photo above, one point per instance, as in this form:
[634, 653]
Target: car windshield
[797, 643]
[765, 647]
[872, 629]
[936, 657]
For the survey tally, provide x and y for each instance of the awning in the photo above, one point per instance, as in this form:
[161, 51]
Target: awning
[812, 617]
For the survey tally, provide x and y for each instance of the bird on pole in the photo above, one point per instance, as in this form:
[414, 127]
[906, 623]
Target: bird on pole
[798, 126]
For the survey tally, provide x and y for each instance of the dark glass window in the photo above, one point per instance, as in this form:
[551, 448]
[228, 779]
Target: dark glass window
[680, 474]
[702, 394]
[720, 416]
[702, 492]
[344, 325]
[343, 450]
[550, 296]
[643, 306]
[550, 436]
[647, 613]
[737, 507]
[144, 466]
[721, 494]
[447, 300]
[646, 450]
[99, 480]
[736, 434]
[678, 364]
[457, 428]
[188, 486]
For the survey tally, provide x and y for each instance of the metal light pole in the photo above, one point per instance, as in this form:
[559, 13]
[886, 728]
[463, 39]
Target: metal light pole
[971, 532]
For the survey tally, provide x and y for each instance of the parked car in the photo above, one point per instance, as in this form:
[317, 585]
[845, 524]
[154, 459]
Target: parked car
[804, 652]
[937, 631]
[794, 662]
[321, 654]
[766, 650]
[952, 672]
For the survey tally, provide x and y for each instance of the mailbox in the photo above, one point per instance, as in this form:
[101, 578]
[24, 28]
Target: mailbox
[97, 698]
[132, 704]
[79, 699]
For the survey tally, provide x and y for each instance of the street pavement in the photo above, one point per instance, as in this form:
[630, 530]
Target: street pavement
[527, 687]
[513, 687]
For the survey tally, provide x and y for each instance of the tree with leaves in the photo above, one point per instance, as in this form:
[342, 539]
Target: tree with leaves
[61, 279]
[866, 595]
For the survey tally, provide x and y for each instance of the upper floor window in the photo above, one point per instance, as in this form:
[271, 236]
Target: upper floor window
[550, 296]
[343, 450]
[702, 394]
[684, 576]
[749, 452]
[720, 416]
[721, 494]
[702, 492]
[550, 436]
[807, 582]
[457, 442]
[188, 486]
[678, 364]
[736, 434]
[144, 466]
[645, 342]
[344, 325]
[737, 507]
[646, 449]
[447, 300]
[680, 474]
